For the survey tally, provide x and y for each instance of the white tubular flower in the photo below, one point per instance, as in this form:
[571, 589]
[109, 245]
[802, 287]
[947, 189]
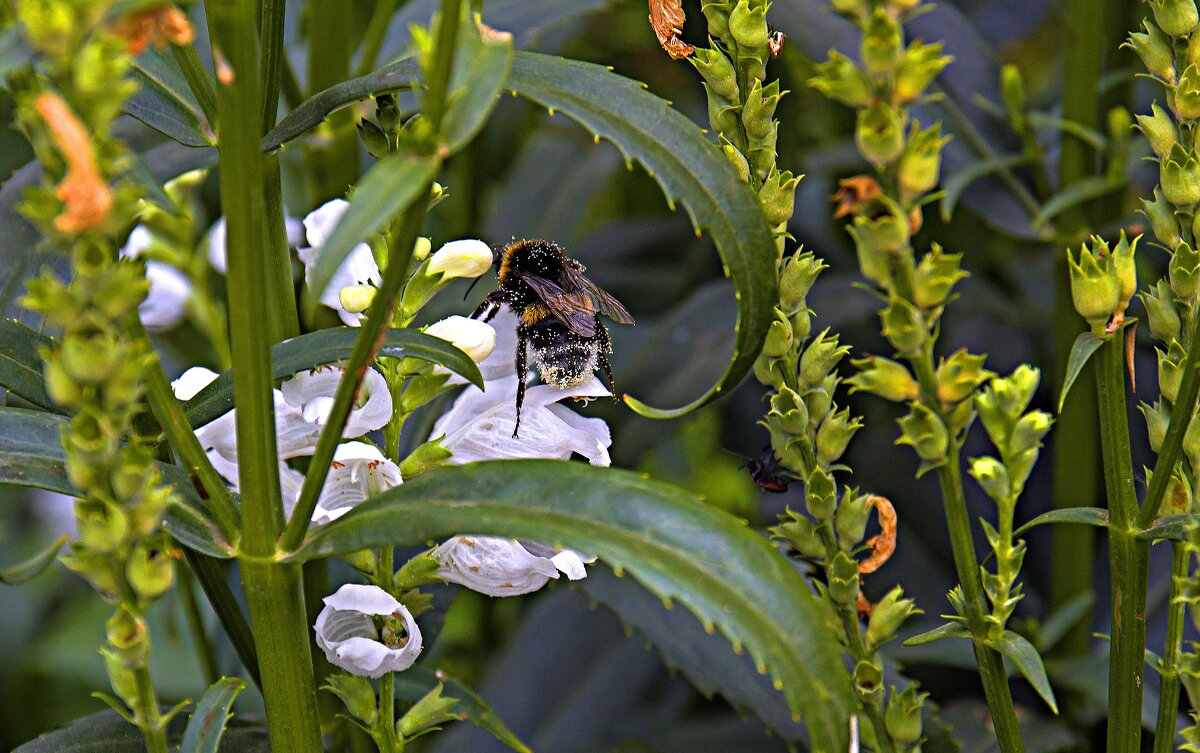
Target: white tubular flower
[479, 426]
[165, 305]
[311, 393]
[356, 270]
[498, 566]
[471, 336]
[360, 471]
[348, 635]
[465, 258]
[218, 255]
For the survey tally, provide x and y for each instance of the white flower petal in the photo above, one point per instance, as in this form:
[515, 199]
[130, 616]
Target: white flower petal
[311, 393]
[165, 306]
[502, 362]
[365, 599]
[320, 222]
[139, 240]
[471, 336]
[570, 564]
[217, 254]
[360, 471]
[492, 565]
[192, 381]
[464, 258]
[347, 634]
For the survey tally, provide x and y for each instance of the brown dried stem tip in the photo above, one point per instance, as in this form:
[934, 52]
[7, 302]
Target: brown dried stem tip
[155, 26]
[883, 545]
[667, 17]
[87, 196]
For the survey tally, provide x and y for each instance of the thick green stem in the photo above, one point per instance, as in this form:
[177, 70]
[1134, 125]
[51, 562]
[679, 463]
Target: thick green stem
[1168, 694]
[1128, 557]
[387, 683]
[272, 52]
[191, 612]
[147, 713]
[335, 166]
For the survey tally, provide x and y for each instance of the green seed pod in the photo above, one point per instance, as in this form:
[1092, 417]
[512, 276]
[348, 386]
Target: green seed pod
[843, 580]
[882, 43]
[1191, 441]
[850, 520]
[128, 637]
[820, 495]
[868, 681]
[903, 716]
[1125, 269]
[889, 614]
[802, 534]
[1186, 99]
[1028, 432]
[788, 411]
[103, 526]
[722, 113]
[840, 79]
[1160, 310]
[880, 134]
[374, 139]
[924, 432]
[1170, 370]
[151, 569]
[90, 360]
[903, 326]
[1179, 176]
[759, 110]
[885, 378]
[1159, 130]
[748, 24]
[800, 271]
[1178, 18]
[921, 161]
[886, 233]
[716, 12]
[1094, 285]
[1155, 50]
[918, 68]
[717, 71]
[1158, 416]
[779, 336]
[960, 375]
[820, 358]
[834, 435]
[778, 196]
[991, 474]
[1162, 219]
[61, 387]
[736, 157]
[935, 277]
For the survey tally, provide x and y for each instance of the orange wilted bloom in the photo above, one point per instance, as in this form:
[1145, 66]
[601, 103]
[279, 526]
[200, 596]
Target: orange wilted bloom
[667, 17]
[883, 545]
[853, 193]
[156, 26]
[87, 196]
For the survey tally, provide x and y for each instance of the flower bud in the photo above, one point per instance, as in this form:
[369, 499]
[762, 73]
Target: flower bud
[465, 258]
[960, 375]
[717, 71]
[820, 496]
[903, 716]
[759, 109]
[918, 68]
[802, 534]
[903, 326]
[1178, 18]
[475, 338]
[374, 139]
[885, 378]
[843, 580]
[992, 476]
[1162, 218]
[1159, 130]
[422, 246]
[1094, 285]
[1186, 96]
[1183, 272]
[128, 636]
[1170, 370]
[821, 357]
[778, 196]
[779, 336]
[1160, 310]
[432, 709]
[356, 298]
[1179, 176]
[834, 435]
[840, 79]
[880, 134]
[748, 24]
[935, 277]
[921, 161]
[90, 360]
[1158, 416]
[890, 613]
[1155, 50]
[788, 411]
[716, 12]
[882, 43]
[924, 432]
[151, 569]
[1028, 432]
[799, 272]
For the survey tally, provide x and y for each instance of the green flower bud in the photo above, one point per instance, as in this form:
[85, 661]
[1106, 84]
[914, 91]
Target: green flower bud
[1094, 285]
[886, 378]
[788, 411]
[90, 360]
[1158, 416]
[924, 432]
[840, 79]
[903, 326]
[821, 357]
[820, 497]
[759, 110]
[890, 613]
[716, 12]
[1159, 130]
[921, 161]
[935, 277]
[903, 716]
[801, 324]
[103, 526]
[880, 134]
[1186, 96]
[151, 569]
[850, 520]
[885, 232]
[1183, 271]
[918, 68]
[882, 43]
[748, 25]
[1028, 432]
[734, 155]
[357, 298]
[374, 139]
[1012, 93]
[834, 435]
[778, 196]
[1179, 176]
[717, 71]
[992, 476]
[1162, 218]
[779, 337]
[431, 710]
[356, 693]
[960, 375]
[843, 580]
[62, 389]
[722, 114]
[1160, 310]
[1170, 370]
[868, 681]
[1125, 269]
[1178, 18]
[128, 636]
[1003, 401]
[802, 534]
[799, 272]
[1155, 50]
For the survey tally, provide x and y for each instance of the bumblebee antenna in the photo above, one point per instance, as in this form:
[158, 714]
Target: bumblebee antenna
[471, 287]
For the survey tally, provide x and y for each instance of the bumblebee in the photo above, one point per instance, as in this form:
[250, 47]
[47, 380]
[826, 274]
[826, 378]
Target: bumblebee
[559, 311]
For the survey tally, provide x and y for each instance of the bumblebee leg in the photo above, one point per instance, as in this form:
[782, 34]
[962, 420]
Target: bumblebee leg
[489, 306]
[522, 345]
[606, 347]
[612, 385]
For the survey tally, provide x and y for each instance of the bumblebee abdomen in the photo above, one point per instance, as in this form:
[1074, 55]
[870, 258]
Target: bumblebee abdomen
[562, 358]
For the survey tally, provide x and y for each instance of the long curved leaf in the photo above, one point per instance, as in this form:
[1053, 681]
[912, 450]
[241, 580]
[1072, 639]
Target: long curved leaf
[31, 454]
[674, 544]
[327, 346]
[484, 60]
[689, 168]
[1022, 653]
[1091, 516]
[21, 365]
[206, 726]
[165, 102]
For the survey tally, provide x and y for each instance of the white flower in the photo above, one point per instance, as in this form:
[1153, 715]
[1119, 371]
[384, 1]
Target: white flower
[359, 472]
[165, 305]
[311, 392]
[217, 253]
[502, 361]
[465, 258]
[190, 382]
[498, 566]
[471, 336]
[357, 269]
[479, 426]
[347, 633]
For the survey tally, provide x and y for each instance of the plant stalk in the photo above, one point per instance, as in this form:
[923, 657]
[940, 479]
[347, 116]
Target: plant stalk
[147, 713]
[335, 166]
[1168, 704]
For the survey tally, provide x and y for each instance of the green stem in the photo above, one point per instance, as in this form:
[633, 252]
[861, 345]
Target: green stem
[210, 573]
[198, 80]
[147, 713]
[335, 166]
[191, 612]
[1128, 557]
[387, 683]
[316, 587]
[376, 32]
[1168, 703]
[272, 53]
[283, 317]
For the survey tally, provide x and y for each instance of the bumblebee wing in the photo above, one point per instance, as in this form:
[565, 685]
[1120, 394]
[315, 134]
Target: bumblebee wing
[603, 301]
[572, 308]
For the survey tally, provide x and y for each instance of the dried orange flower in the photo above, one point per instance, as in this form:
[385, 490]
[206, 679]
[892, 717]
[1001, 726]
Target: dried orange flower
[155, 26]
[853, 193]
[883, 545]
[667, 17]
[87, 196]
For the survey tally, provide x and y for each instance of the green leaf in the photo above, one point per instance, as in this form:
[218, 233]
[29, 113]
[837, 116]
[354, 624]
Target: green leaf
[1022, 653]
[413, 684]
[688, 167]
[1077, 193]
[948, 630]
[21, 365]
[403, 74]
[31, 454]
[207, 723]
[1170, 527]
[484, 60]
[25, 571]
[677, 546]
[165, 102]
[1091, 516]
[956, 185]
[1085, 346]
[329, 346]
[107, 732]
[388, 188]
